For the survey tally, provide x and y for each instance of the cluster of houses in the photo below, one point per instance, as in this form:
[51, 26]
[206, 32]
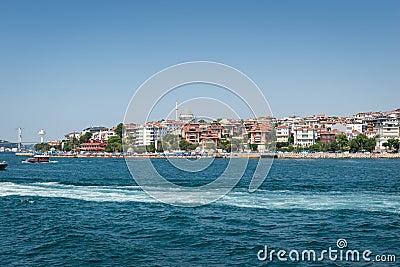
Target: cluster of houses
[301, 132]
[306, 131]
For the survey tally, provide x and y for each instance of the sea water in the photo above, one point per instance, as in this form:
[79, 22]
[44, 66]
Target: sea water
[80, 212]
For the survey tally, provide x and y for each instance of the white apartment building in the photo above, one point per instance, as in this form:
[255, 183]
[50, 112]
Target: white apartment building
[283, 133]
[305, 136]
[352, 127]
[103, 135]
[147, 134]
[390, 129]
[172, 126]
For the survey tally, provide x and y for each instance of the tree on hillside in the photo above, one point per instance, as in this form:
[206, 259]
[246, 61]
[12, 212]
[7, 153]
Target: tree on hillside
[151, 148]
[253, 147]
[393, 143]
[86, 137]
[43, 147]
[291, 139]
[170, 142]
[362, 143]
[385, 145]
[119, 130]
[342, 142]
[114, 144]
[225, 145]
[184, 145]
[236, 144]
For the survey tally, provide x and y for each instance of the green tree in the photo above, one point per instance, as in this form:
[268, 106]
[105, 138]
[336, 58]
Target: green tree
[86, 137]
[362, 143]
[334, 146]
[170, 142]
[317, 147]
[43, 147]
[160, 146]
[393, 143]
[342, 142]
[70, 145]
[151, 148]
[225, 145]
[291, 139]
[119, 130]
[236, 144]
[385, 145]
[114, 144]
[139, 149]
[192, 147]
[370, 144]
[253, 147]
[282, 144]
[184, 145]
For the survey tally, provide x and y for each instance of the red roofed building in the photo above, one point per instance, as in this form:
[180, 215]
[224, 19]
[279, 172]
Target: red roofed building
[259, 133]
[327, 137]
[198, 132]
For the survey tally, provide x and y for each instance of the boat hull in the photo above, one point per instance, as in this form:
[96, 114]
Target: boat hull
[3, 165]
[38, 160]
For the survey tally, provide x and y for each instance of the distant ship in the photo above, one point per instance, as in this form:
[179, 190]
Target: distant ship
[38, 159]
[3, 165]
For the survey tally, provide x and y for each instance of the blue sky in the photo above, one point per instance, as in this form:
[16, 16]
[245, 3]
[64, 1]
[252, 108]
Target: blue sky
[66, 65]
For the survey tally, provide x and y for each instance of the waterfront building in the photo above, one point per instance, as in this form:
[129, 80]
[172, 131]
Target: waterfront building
[260, 135]
[202, 132]
[393, 114]
[147, 134]
[283, 133]
[352, 128]
[173, 126]
[305, 136]
[327, 137]
[93, 146]
[54, 143]
[94, 129]
[103, 135]
[353, 134]
[232, 128]
[70, 136]
[191, 132]
[390, 128]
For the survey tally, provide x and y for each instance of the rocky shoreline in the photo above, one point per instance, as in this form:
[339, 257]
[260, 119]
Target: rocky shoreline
[325, 155]
[288, 155]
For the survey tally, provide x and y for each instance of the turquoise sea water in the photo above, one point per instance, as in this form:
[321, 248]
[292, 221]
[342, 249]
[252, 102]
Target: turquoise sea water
[78, 212]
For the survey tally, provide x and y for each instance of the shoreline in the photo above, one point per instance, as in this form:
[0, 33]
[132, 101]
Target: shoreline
[291, 155]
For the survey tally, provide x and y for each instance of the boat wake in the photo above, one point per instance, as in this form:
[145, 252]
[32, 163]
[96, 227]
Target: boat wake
[262, 199]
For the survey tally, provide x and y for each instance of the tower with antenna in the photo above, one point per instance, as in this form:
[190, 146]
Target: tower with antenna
[42, 133]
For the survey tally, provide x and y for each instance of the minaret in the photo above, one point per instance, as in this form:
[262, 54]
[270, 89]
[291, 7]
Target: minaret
[19, 139]
[176, 111]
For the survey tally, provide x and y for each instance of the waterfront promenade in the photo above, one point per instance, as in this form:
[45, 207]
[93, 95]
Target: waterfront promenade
[289, 155]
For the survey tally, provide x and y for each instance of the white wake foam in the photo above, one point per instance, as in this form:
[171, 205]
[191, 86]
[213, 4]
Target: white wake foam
[262, 199]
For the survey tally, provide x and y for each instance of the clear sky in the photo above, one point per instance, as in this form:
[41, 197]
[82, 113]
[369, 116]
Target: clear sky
[67, 65]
